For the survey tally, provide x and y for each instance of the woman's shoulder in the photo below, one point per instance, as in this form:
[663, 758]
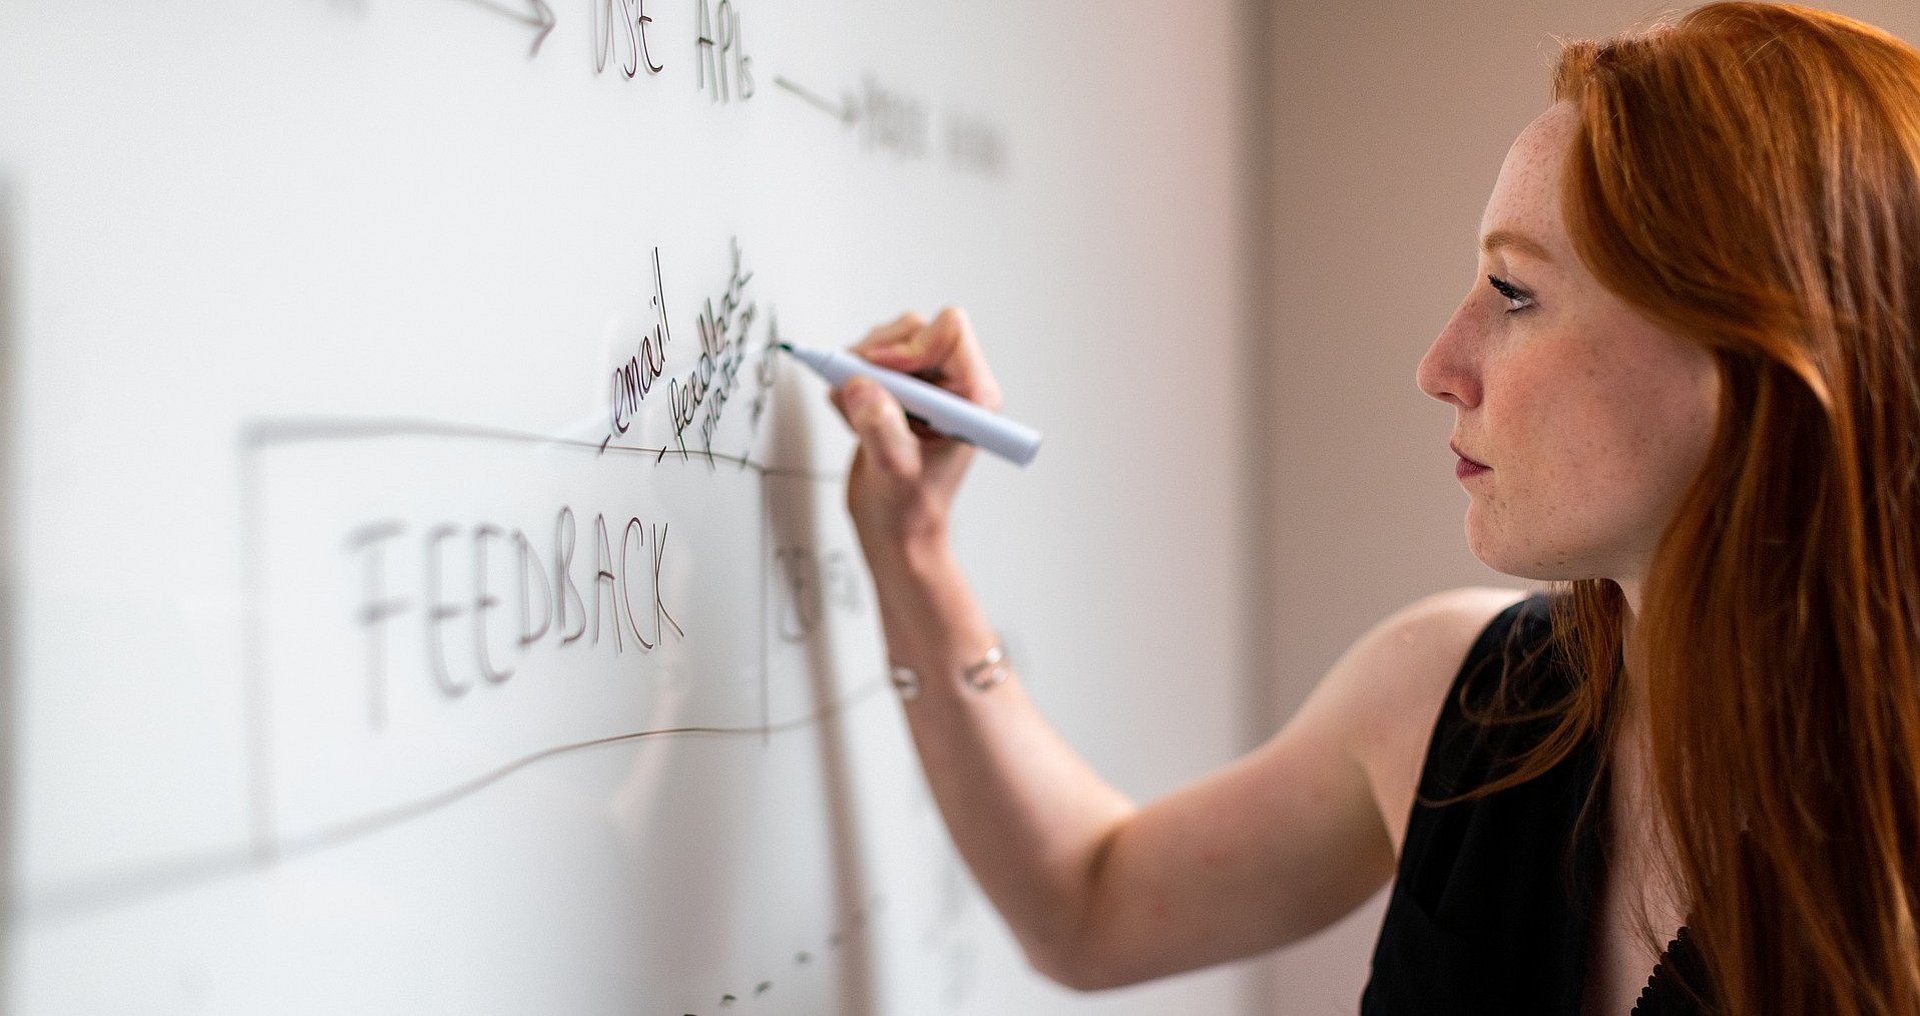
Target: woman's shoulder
[1415, 654]
[1396, 677]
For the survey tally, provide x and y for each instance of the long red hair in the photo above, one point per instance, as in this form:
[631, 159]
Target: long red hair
[1749, 175]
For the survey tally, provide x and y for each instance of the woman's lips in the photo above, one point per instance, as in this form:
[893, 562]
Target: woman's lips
[1467, 467]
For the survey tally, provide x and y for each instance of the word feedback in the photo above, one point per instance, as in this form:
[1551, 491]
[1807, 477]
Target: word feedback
[564, 616]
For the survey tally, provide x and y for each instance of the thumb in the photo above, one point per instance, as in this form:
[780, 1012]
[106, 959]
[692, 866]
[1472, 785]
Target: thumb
[881, 425]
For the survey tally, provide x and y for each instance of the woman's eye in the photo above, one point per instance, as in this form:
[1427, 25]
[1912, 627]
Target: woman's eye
[1517, 298]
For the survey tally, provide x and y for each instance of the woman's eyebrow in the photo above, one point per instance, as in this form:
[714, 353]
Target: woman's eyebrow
[1501, 239]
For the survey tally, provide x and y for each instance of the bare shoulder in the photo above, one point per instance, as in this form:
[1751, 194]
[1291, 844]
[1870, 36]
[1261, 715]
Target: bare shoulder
[1389, 685]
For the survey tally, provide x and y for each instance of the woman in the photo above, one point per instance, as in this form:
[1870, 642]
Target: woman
[1687, 389]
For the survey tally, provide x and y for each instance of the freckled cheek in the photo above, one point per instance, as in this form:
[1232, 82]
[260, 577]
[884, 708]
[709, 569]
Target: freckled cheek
[1561, 452]
[1522, 428]
[1581, 386]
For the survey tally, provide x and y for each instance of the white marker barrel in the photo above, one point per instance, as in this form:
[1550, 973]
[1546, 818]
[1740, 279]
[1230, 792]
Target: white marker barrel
[942, 410]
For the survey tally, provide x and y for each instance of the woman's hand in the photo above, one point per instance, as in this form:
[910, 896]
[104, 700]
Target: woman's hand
[904, 477]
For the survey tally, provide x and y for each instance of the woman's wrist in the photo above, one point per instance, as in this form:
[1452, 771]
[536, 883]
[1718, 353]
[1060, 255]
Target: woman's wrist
[932, 621]
[922, 556]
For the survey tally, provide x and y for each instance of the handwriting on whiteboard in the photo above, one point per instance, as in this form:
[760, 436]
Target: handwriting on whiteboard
[816, 581]
[894, 121]
[891, 119]
[614, 20]
[724, 326]
[696, 399]
[472, 617]
[633, 380]
[720, 55]
[489, 596]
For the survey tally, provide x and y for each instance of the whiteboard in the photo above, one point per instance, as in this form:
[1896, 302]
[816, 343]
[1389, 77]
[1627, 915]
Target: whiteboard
[424, 593]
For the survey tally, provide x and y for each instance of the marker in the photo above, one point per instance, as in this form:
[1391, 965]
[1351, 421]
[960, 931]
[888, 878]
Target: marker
[938, 408]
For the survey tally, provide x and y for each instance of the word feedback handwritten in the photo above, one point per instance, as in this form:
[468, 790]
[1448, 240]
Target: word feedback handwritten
[564, 619]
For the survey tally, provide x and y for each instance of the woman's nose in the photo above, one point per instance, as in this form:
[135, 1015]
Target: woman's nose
[1449, 372]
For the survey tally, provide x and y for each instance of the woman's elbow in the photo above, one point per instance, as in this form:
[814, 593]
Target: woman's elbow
[1078, 966]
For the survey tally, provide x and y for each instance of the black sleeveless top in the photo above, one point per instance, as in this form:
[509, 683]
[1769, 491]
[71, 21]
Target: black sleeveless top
[1491, 905]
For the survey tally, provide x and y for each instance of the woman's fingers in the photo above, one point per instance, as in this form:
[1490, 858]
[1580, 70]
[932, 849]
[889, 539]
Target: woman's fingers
[904, 475]
[839, 405]
[890, 334]
[943, 351]
[962, 366]
[877, 419]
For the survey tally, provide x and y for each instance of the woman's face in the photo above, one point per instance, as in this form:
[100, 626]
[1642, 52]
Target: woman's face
[1579, 422]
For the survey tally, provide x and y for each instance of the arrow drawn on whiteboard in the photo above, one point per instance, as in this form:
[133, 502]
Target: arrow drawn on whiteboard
[847, 110]
[541, 18]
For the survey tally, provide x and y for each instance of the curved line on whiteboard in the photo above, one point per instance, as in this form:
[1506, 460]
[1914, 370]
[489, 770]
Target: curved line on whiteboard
[128, 885]
[393, 816]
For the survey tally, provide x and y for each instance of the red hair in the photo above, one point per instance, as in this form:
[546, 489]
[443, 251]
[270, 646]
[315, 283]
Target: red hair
[1749, 175]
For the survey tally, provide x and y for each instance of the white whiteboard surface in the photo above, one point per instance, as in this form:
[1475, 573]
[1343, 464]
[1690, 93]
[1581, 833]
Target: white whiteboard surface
[311, 315]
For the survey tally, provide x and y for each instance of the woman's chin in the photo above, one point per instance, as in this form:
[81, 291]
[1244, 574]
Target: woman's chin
[1521, 559]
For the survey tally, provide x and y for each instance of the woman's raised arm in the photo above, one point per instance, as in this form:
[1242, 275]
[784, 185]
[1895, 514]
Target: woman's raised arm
[1100, 892]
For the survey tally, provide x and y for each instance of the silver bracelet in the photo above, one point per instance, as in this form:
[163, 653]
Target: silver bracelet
[989, 671]
[906, 682]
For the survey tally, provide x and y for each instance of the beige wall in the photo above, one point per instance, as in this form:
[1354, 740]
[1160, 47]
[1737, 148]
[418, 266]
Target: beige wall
[1389, 124]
